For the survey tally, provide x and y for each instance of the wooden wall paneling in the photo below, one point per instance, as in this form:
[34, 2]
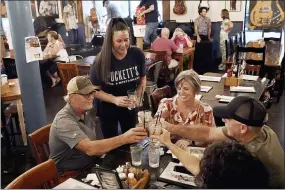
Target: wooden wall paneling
[80, 12]
[166, 9]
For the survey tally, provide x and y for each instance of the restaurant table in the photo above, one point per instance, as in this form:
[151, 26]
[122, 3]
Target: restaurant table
[84, 65]
[13, 94]
[187, 52]
[220, 89]
[122, 155]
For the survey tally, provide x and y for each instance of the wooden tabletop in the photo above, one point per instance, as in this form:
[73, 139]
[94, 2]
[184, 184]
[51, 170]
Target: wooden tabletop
[85, 62]
[10, 93]
[220, 89]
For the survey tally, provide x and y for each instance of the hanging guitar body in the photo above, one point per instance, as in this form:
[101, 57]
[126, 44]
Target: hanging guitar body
[179, 7]
[266, 14]
[140, 19]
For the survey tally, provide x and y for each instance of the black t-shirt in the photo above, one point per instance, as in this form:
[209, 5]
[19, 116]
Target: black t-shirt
[125, 74]
[152, 16]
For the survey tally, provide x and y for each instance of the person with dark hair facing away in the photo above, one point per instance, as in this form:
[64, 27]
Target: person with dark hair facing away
[151, 19]
[230, 165]
[245, 119]
[117, 69]
[202, 25]
[112, 10]
[223, 165]
[226, 27]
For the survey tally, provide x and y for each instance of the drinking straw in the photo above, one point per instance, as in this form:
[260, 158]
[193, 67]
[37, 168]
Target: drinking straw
[141, 96]
[144, 118]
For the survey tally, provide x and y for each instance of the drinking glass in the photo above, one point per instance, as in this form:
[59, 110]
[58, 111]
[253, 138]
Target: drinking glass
[154, 128]
[153, 154]
[132, 95]
[136, 154]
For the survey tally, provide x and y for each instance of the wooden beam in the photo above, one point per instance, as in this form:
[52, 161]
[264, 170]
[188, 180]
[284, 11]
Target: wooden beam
[166, 9]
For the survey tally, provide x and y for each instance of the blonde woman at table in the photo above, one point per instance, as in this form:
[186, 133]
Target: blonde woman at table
[226, 27]
[54, 48]
[118, 68]
[184, 108]
[180, 37]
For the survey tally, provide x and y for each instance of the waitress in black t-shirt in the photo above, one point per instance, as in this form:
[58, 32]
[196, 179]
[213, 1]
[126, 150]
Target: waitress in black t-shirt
[117, 69]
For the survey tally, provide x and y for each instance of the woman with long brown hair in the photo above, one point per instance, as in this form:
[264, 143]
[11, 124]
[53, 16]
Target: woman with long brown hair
[226, 27]
[117, 69]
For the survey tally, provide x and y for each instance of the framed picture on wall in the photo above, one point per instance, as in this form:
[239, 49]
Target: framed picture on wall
[47, 8]
[3, 9]
[65, 3]
[34, 8]
[233, 5]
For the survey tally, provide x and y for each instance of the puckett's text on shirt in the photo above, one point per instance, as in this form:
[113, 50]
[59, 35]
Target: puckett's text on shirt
[124, 76]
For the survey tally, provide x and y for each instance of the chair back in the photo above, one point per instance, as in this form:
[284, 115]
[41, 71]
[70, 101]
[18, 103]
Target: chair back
[67, 72]
[39, 141]
[160, 55]
[157, 95]
[252, 69]
[233, 44]
[41, 176]
[153, 72]
[10, 68]
[253, 54]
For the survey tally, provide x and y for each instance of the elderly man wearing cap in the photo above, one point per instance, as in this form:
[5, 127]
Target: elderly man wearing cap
[245, 120]
[74, 139]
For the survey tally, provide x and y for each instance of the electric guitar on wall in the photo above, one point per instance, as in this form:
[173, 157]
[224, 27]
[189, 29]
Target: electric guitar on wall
[179, 7]
[266, 14]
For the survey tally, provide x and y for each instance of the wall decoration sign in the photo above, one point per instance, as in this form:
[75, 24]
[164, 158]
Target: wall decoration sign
[3, 9]
[65, 2]
[33, 49]
[266, 14]
[233, 5]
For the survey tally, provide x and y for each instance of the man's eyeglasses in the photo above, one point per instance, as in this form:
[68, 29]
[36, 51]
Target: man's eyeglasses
[88, 96]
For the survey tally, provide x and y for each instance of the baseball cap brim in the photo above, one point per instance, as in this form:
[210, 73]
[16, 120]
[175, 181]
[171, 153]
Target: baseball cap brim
[222, 112]
[88, 90]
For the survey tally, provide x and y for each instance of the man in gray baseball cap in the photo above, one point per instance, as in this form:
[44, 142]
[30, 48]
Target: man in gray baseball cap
[75, 135]
[244, 119]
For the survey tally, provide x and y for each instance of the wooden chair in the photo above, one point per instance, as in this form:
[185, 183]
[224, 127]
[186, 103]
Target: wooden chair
[40, 145]
[10, 68]
[39, 141]
[41, 176]
[229, 55]
[166, 75]
[152, 76]
[67, 72]
[250, 60]
[252, 69]
[159, 94]
[279, 85]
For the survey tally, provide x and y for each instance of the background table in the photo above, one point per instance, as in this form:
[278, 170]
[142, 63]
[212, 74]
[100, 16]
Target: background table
[220, 89]
[13, 94]
[187, 52]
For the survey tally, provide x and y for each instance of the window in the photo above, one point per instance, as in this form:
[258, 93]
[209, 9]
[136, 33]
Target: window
[126, 8]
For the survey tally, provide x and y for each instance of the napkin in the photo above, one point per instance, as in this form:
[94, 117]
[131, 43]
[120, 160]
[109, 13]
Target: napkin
[210, 78]
[249, 77]
[206, 88]
[242, 89]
